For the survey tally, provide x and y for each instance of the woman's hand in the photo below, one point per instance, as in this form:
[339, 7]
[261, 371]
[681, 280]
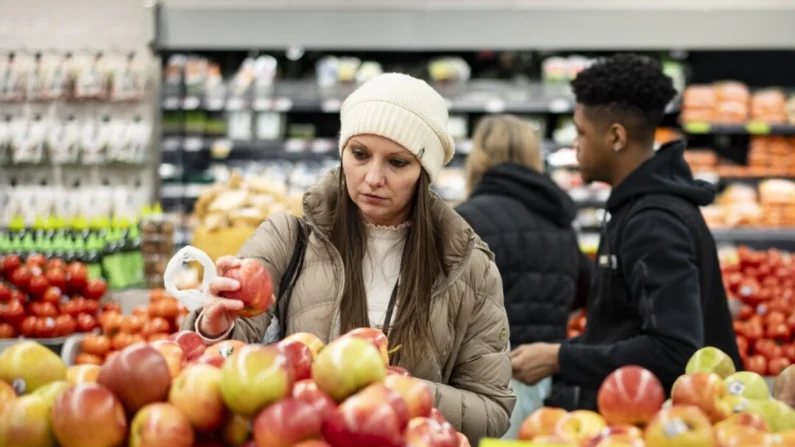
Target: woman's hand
[218, 313]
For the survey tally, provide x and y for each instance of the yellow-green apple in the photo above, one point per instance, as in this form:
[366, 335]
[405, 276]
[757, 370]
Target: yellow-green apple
[553, 440]
[366, 418]
[7, 394]
[138, 375]
[704, 390]
[256, 288]
[175, 357]
[747, 419]
[254, 377]
[426, 432]
[747, 384]
[784, 386]
[741, 436]
[580, 426]
[196, 392]
[191, 343]
[630, 395]
[711, 359]
[347, 365]
[88, 415]
[51, 391]
[463, 441]
[374, 336]
[314, 343]
[680, 426]
[779, 415]
[25, 422]
[541, 422]
[299, 358]
[236, 430]
[161, 424]
[616, 434]
[82, 373]
[414, 392]
[223, 349]
[287, 422]
[27, 365]
[307, 391]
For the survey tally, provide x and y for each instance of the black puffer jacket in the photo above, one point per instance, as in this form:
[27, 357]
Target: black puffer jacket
[525, 218]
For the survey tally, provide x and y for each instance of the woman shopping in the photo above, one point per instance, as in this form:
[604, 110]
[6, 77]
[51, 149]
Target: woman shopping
[521, 213]
[383, 251]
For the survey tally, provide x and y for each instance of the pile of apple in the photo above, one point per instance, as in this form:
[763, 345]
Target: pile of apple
[764, 281]
[155, 321]
[180, 393]
[45, 298]
[711, 405]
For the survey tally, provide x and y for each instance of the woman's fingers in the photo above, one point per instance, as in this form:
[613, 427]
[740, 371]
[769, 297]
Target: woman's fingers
[227, 262]
[221, 284]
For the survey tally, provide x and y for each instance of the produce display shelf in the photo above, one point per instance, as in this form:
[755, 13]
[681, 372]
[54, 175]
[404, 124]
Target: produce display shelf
[750, 128]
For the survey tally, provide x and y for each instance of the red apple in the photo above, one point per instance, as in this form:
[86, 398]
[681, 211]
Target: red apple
[347, 365]
[287, 422]
[315, 344]
[175, 357]
[618, 435]
[541, 422]
[426, 432]
[212, 360]
[362, 420]
[191, 343]
[25, 422]
[224, 348]
[307, 391]
[415, 393]
[580, 426]
[680, 425]
[299, 357]
[160, 424]
[704, 390]
[374, 336]
[88, 415]
[21, 278]
[741, 436]
[77, 277]
[253, 377]
[553, 440]
[256, 289]
[630, 395]
[197, 393]
[437, 415]
[138, 375]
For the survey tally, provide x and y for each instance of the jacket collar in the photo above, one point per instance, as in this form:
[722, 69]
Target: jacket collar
[320, 201]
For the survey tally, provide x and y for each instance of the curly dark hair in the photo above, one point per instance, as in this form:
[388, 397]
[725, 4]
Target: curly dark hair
[627, 86]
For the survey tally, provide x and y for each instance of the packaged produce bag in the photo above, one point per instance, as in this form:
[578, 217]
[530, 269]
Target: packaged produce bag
[529, 398]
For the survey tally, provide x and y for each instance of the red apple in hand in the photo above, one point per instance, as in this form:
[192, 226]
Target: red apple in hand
[363, 420]
[88, 415]
[197, 393]
[256, 289]
[137, 375]
[299, 357]
[414, 392]
[286, 423]
[374, 336]
[307, 391]
[630, 395]
[704, 390]
[191, 343]
[161, 424]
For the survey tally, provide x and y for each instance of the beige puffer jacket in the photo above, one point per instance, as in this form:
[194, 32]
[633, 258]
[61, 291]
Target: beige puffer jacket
[471, 371]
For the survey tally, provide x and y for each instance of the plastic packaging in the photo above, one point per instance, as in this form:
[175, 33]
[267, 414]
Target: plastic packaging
[192, 299]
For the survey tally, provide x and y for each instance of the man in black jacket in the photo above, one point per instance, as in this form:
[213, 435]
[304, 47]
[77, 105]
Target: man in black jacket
[657, 294]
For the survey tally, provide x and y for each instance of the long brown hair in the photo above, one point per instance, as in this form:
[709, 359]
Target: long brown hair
[421, 266]
[499, 139]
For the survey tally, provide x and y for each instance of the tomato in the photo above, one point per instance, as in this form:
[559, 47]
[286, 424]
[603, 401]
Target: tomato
[122, 340]
[137, 338]
[112, 323]
[85, 358]
[52, 296]
[7, 331]
[14, 312]
[757, 364]
[81, 304]
[28, 327]
[155, 325]
[19, 295]
[109, 306]
[131, 324]
[791, 322]
[777, 365]
[769, 282]
[86, 323]
[158, 336]
[90, 307]
[36, 260]
[165, 308]
[10, 263]
[774, 318]
[69, 308]
[95, 289]
[45, 327]
[42, 309]
[779, 332]
[782, 305]
[789, 352]
[746, 312]
[5, 293]
[141, 312]
[37, 285]
[21, 278]
[104, 317]
[157, 295]
[96, 344]
[742, 345]
[763, 346]
[733, 281]
[752, 331]
[64, 325]
[55, 264]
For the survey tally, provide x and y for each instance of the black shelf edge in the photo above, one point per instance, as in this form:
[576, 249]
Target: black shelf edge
[750, 128]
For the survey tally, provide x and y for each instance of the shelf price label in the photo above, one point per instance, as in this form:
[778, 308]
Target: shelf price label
[757, 128]
[698, 127]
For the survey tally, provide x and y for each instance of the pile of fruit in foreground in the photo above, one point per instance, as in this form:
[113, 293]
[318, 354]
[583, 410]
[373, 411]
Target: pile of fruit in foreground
[179, 393]
[711, 405]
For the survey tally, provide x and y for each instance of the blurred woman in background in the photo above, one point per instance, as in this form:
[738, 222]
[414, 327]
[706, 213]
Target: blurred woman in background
[526, 220]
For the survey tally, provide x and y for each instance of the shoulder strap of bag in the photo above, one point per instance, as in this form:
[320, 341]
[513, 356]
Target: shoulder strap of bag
[291, 274]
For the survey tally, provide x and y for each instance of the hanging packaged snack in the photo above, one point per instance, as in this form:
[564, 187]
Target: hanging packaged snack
[12, 81]
[128, 78]
[28, 136]
[91, 79]
[95, 135]
[63, 141]
[33, 80]
[5, 140]
[56, 76]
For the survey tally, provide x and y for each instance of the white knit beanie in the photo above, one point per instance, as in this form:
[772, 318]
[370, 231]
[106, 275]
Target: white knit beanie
[404, 109]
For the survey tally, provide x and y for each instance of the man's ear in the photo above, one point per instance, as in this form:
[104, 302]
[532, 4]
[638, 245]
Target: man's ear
[617, 137]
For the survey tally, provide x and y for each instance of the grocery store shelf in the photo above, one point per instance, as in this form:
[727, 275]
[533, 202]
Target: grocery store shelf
[546, 25]
[754, 234]
[751, 128]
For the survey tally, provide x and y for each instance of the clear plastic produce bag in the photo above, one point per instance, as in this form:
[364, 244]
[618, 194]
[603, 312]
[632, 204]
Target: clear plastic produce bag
[529, 398]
